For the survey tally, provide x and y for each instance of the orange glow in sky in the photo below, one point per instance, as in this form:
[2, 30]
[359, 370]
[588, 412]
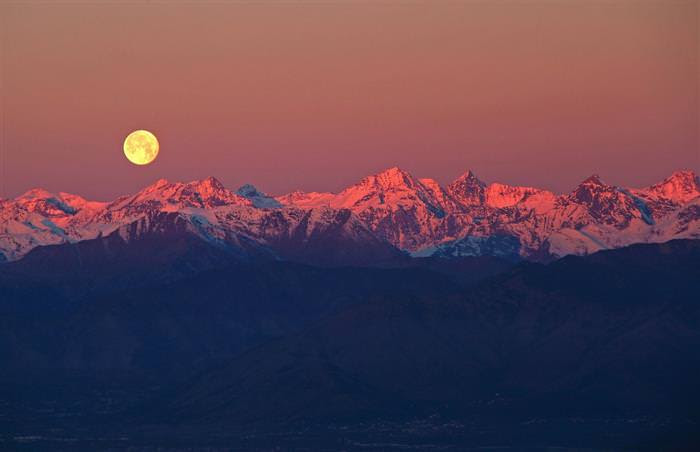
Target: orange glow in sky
[317, 95]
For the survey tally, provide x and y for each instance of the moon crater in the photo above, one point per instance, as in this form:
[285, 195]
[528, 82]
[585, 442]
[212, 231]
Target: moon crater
[141, 147]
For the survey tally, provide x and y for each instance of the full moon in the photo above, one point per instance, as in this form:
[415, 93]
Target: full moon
[141, 147]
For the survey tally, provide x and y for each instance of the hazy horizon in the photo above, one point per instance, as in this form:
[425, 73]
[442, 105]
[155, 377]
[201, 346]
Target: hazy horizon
[273, 194]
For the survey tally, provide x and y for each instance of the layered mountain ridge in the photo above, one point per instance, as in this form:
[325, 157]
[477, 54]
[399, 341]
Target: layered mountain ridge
[381, 216]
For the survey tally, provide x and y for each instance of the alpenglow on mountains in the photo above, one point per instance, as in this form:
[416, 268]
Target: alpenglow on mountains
[385, 215]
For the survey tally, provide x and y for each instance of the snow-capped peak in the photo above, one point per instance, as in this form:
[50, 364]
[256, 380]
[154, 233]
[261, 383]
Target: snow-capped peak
[50, 204]
[249, 190]
[410, 213]
[204, 186]
[203, 193]
[503, 195]
[471, 177]
[594, 180]
[429, 183]
[391, 187]
[210, 184]
[160, 183]
[468, 189]
[681, 186]
[36, 193]
[589, 189]
[306, 200]
[393, 177]
[258, 198]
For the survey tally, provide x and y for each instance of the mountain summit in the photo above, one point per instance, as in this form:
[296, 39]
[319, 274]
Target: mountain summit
[205, 193]
[468, 189]
[681, 186]
[388, 210]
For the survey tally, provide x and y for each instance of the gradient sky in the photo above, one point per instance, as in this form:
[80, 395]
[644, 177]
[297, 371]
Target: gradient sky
[316, 95]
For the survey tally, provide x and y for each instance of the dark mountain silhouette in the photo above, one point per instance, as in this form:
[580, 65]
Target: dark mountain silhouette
[164, 335]
[617, 332]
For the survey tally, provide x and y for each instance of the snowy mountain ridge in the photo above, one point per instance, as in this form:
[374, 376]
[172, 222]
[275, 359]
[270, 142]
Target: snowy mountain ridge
[382, 211]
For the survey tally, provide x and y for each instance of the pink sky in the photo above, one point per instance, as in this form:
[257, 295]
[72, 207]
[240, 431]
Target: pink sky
[316, 95]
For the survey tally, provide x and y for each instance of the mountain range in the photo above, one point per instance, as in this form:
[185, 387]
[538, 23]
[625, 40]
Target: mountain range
[381, 218]
[395, 310]
[169, 342]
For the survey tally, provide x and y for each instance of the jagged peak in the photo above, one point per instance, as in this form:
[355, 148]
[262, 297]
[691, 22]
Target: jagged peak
[65, 195]
[593, 179]
[208, 187]
[590, 188]
[468, 189]
[390, 178]
[210, 182]
[305, 199]
[681, 186]
[501, 187]
[207, 184]
[41, 194]
[394, 170]
[37, 199]
[468, 174]
[684, 176]
[162, 182]
[249, 190]
[470, 178]
[503, 195]
[36, 193]
[300, 194]
[493, 186]
[430, 183]
[209, 192]
[159, 185]
[259, 199]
